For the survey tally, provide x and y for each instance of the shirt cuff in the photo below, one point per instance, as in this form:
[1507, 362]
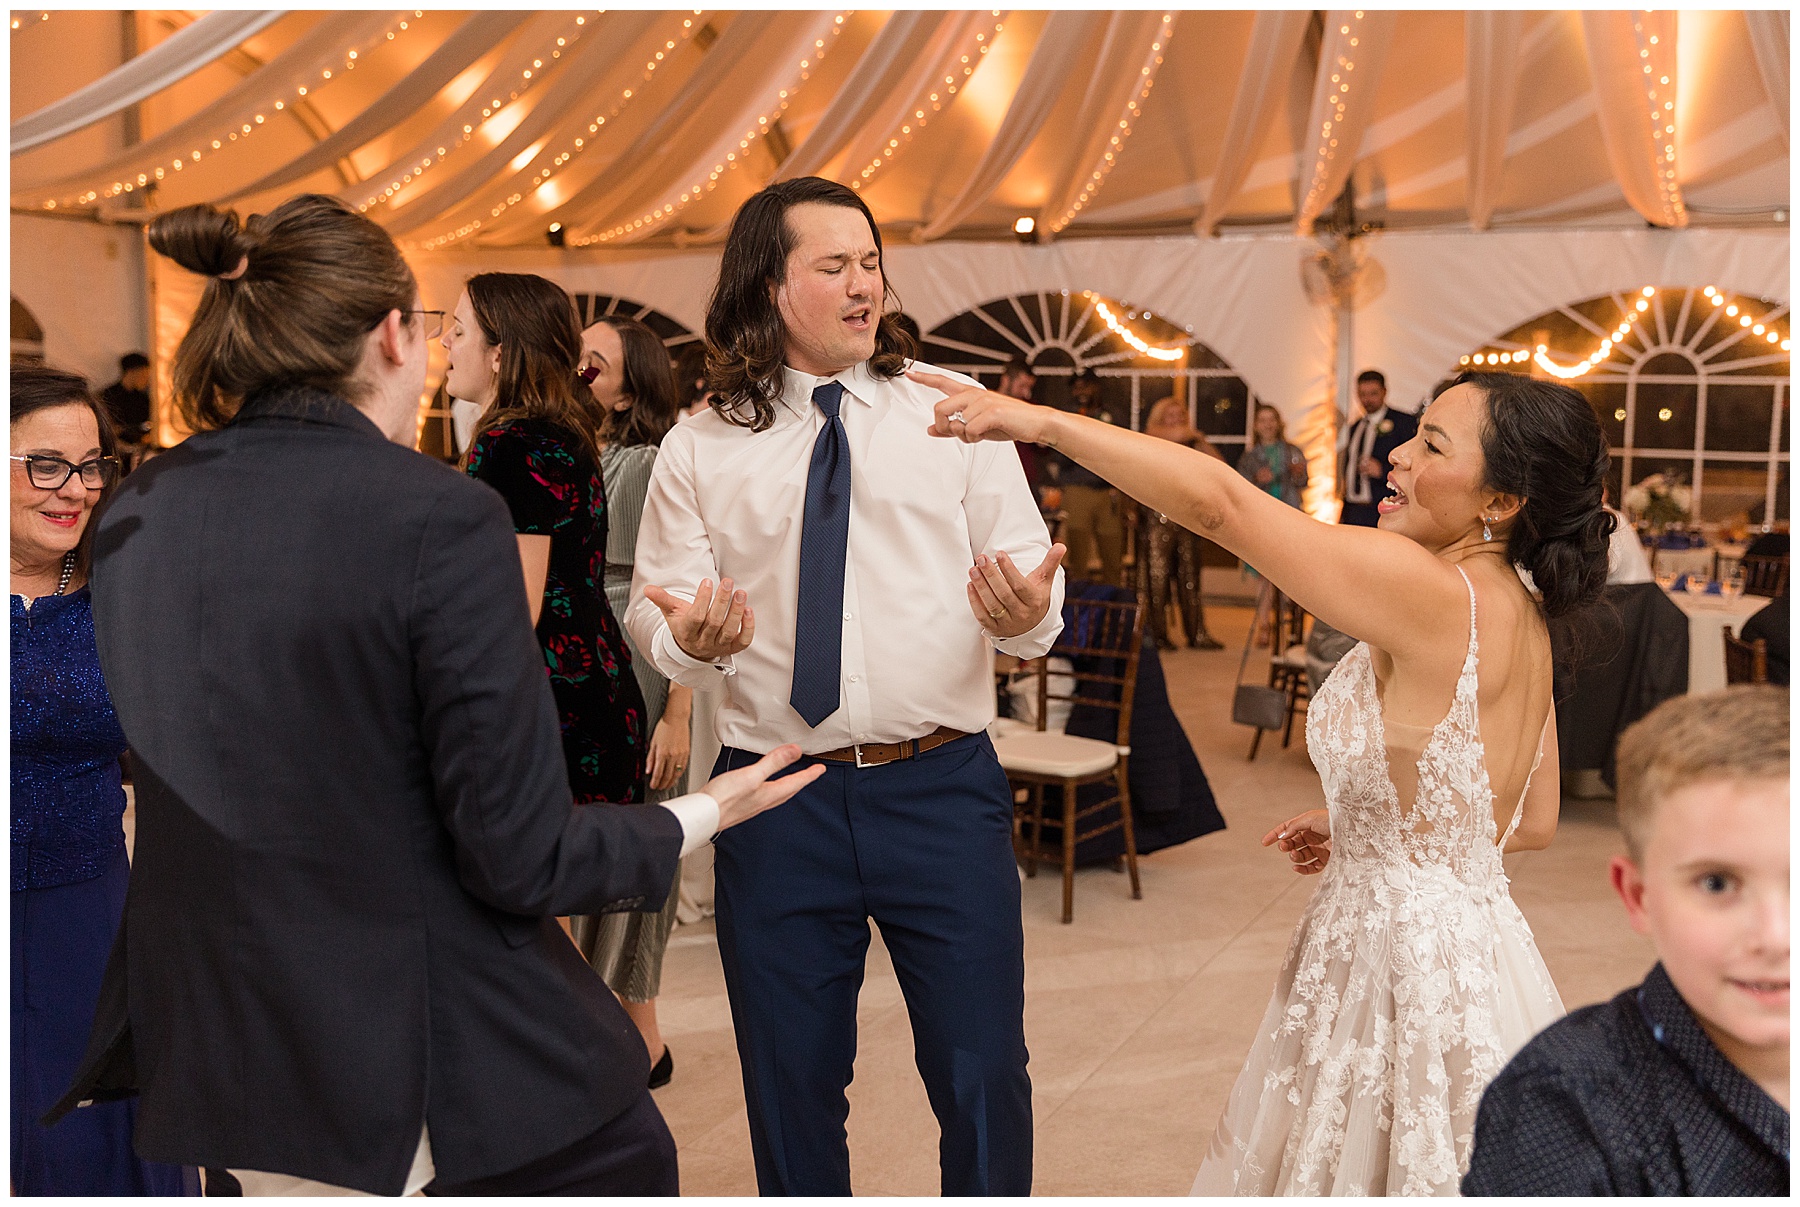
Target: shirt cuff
[683, 667]
[698, 814]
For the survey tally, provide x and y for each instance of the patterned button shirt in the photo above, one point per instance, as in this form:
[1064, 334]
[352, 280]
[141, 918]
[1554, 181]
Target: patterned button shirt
[1628, 1098]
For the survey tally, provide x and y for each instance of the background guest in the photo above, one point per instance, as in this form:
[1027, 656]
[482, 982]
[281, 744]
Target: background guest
[69, 866]
[633, 384]
[1678, 1086]
[515, 348]
[1171, 554]
[128, 399]
[1094, 525]
[1363, 448]
[1271, 462]
[1018, 381]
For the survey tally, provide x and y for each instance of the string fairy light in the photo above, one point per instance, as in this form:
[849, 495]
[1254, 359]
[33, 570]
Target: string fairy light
[1342, 68]
[529, 77]
[252, 119]
[1122, 129]
[1131, 337]
[911, 126]
[1617, 337]
[19, 23]
[733, 157]
[1658, 84]
[569, 151]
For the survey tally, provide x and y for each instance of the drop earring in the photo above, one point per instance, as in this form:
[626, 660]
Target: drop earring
[1486, 533]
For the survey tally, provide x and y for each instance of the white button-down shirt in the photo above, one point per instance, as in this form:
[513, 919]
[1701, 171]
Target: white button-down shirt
[1360, 444]
[726, 502]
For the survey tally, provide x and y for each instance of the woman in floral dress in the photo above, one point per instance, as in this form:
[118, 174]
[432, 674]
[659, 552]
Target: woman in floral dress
[514, 349]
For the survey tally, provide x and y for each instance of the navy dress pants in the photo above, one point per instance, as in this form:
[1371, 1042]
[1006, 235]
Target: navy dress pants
[924, 847]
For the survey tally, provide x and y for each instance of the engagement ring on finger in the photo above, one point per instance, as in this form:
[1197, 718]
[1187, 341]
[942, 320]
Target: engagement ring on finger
[957, 418]
[997, 615]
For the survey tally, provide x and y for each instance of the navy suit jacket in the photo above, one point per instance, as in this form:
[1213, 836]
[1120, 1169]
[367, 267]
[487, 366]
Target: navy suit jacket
[354, 824]
[1405, 427]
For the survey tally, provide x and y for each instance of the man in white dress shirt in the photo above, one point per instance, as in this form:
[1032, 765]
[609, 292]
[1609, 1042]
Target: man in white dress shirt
[865, 573]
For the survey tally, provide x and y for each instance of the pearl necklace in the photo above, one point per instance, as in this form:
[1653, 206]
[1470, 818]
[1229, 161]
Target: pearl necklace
[68, 572]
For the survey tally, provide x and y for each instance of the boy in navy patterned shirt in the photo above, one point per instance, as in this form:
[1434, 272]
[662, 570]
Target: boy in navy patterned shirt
[1680, 1085]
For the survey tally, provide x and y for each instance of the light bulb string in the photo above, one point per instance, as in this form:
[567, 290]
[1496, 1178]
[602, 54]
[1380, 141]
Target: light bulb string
[731, 150]
[235, 121]
[567, 149]
[1122, 125]
[524, 69]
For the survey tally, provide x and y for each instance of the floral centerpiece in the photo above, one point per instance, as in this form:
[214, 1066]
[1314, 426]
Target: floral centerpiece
[1660, 500]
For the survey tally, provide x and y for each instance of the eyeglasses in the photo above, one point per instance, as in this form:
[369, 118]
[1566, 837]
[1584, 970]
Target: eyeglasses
[434, 321]
[49, 473]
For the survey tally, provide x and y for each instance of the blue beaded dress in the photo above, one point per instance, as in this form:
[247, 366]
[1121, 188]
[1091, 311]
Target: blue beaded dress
[69, 873]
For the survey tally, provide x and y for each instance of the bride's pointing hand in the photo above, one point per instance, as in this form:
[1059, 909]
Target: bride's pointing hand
[970, 413]
[1306, 839]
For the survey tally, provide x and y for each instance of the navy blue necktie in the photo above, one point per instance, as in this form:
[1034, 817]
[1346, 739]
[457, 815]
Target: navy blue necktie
[824, 539]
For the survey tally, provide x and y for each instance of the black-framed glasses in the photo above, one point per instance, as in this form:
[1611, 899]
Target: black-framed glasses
[434, 321]
[49, 473]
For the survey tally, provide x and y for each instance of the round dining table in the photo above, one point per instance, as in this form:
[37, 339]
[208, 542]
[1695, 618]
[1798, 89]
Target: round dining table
[1709, 616]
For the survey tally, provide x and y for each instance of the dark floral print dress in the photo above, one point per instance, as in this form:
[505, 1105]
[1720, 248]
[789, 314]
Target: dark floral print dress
[550, 482]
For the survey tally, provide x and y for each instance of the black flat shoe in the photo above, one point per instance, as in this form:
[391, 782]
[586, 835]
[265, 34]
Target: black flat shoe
[1208, 642]
[663, 1070]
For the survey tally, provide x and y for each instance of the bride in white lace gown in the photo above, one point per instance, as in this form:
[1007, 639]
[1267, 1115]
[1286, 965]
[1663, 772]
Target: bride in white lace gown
[1412, 976]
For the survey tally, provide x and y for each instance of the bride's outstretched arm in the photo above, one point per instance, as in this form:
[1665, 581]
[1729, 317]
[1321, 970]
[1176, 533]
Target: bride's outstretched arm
[1375, 585]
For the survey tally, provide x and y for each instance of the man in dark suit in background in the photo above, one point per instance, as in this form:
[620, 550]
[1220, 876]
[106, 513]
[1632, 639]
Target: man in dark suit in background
[1363, 448]
[128, 399]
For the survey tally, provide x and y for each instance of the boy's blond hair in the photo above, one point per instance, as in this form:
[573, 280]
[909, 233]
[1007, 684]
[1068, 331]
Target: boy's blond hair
[1739, 734]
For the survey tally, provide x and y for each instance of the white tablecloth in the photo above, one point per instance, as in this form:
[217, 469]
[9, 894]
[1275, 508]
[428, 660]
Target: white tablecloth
[1708, 618]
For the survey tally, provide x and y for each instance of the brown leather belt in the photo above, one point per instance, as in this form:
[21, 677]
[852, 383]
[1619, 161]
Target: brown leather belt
[874, 754]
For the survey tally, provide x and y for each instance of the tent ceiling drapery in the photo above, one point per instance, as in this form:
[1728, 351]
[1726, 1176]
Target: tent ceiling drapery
[648, 129]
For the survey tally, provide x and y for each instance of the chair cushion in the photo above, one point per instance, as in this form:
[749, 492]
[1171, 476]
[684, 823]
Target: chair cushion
[1056, 754]
[1294, 656]
[1004, 727]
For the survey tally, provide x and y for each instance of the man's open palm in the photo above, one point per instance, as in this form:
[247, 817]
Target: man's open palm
[714, 626]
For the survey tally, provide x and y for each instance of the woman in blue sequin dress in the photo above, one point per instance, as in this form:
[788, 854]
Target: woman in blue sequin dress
[69, 865]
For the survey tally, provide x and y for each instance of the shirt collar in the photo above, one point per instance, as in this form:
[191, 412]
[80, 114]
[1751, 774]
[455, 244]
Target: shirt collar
[797, 387]
[1674, 1027]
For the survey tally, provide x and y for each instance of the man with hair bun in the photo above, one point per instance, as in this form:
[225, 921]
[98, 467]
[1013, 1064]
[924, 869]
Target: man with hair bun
[339, 968]
[864, 574]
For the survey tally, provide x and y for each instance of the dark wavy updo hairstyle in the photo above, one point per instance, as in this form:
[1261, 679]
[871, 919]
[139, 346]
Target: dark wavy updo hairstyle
[318, 277]
[1543, 443]
[745, 336]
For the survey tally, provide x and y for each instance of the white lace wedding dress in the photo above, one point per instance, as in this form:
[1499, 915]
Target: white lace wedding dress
[1412, 977]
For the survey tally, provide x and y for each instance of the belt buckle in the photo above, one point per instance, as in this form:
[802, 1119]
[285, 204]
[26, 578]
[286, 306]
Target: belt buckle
[857, 750]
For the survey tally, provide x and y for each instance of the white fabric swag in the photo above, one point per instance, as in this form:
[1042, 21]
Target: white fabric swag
[1358, 71]
[474, 38]
[1267, 75]
[1492, 46]
[184, 52]
[323, 47]
[1629, 55]
[1066, 36]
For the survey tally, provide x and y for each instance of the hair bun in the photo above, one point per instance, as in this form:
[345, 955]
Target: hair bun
[201, 239]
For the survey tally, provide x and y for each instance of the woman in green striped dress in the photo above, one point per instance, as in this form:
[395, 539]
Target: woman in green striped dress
[629, 373]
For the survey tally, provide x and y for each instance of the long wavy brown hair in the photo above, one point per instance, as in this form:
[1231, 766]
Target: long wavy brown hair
[745, 337]
[534, 322]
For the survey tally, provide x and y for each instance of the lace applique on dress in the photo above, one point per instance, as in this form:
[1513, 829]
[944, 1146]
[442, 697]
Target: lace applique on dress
[1412, 976]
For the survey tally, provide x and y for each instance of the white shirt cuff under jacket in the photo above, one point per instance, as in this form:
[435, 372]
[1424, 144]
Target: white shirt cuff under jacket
[698, 814]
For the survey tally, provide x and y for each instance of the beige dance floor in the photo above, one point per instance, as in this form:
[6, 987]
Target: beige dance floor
[1138, 1014]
